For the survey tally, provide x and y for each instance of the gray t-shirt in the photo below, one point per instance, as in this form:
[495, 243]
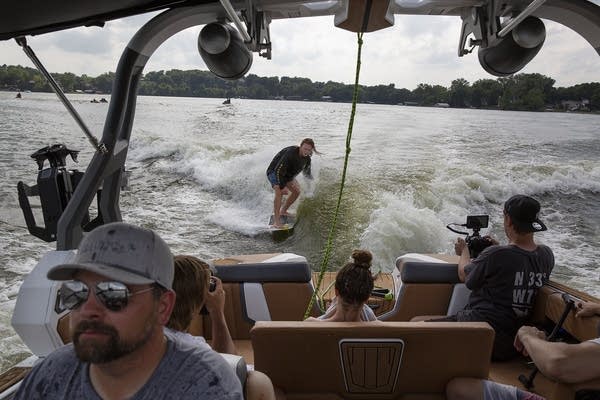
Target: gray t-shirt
[186, 371]
[504, 281]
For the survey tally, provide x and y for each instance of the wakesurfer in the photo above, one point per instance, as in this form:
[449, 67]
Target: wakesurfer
[282, 172]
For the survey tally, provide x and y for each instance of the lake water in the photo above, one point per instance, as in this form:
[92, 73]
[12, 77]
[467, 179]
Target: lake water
[198, 178]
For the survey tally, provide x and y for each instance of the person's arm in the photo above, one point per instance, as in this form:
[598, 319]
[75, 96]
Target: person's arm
[587, 309]
[215, 304]
[462, 250]
[569, 363]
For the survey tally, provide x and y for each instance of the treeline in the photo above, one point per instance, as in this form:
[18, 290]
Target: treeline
[518, 92]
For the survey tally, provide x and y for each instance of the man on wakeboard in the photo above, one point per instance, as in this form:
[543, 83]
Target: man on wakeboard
[282, 172]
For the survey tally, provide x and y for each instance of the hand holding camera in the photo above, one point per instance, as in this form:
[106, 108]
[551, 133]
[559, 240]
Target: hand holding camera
[474, 242]
[215, 297]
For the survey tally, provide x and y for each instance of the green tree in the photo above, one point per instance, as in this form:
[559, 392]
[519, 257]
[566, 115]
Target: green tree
[429, 95]
[459, 94]
[526, 92]
[485, 93]
[518, 92]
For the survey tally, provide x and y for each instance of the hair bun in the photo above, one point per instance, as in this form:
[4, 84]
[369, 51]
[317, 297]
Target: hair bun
[362, 258]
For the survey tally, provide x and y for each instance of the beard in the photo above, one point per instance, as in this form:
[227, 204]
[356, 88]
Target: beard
[103, 351]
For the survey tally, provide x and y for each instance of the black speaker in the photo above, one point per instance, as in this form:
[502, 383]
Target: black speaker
[511, 53]
[224, 51]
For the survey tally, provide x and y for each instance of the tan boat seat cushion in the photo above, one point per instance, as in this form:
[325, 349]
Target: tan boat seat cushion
[362, 360]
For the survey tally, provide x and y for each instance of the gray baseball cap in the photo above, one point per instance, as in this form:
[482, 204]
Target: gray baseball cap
[122, 252]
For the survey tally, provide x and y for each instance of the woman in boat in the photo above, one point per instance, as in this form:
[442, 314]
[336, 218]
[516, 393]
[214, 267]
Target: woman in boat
[353, 286]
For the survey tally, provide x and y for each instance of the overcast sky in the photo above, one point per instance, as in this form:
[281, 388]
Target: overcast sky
[418, 49]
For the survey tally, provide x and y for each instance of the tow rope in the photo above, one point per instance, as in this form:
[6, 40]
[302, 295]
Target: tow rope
[331, 235]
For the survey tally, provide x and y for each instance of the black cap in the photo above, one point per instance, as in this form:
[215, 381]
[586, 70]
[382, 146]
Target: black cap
[523, 211]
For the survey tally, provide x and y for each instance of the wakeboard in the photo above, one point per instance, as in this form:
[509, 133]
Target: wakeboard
[287, 221]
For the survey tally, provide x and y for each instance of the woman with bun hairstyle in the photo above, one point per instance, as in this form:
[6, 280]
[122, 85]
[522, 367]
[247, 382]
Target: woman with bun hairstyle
[353, 286]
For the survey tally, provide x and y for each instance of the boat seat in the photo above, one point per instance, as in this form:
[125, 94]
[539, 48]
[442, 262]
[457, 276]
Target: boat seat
[407, 360]
[273, 291]
[429, 287]
[458, 301]
[288, 271]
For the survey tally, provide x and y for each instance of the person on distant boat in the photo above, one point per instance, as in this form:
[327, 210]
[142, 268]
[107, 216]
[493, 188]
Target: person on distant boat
[504, 280]
[572, 364]
[353, 286]
[119, 290]
[282, 172]
[192, 284]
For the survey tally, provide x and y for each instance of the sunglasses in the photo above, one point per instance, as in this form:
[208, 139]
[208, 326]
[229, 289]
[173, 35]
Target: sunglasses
[113, 295]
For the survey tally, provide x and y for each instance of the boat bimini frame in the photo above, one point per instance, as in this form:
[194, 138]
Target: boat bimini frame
[504, 48]
[105, 168]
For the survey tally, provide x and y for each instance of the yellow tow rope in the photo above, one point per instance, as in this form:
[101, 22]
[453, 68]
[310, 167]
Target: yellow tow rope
[331, 235]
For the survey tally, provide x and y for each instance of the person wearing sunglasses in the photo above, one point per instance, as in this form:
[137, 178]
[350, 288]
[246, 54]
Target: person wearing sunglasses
[119, 290]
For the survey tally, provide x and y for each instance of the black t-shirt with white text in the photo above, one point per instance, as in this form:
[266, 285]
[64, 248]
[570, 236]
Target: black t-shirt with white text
[504, 281]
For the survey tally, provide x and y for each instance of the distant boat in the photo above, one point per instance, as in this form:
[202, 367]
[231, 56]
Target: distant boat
[18, 96]
[228, 101]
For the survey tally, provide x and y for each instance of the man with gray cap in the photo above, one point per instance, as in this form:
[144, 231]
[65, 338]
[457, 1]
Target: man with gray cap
[118, 289]
[504, 280]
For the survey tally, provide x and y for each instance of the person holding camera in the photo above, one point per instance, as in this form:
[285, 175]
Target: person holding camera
[504, 280]
[199, 291]
[192, 283]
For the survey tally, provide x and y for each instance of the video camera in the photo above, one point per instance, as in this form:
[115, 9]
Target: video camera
[475, 241]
